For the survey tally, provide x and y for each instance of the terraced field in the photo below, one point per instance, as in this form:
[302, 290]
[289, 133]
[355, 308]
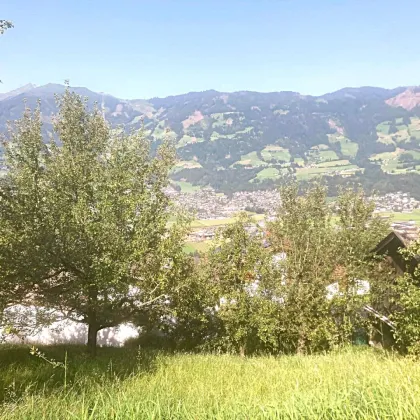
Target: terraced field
[268, 173]
[251, 160]
[402, 134]
[390, 161]
[347, 147]
[321, 153]
[185, 164]
[277, 153]
[331, 169]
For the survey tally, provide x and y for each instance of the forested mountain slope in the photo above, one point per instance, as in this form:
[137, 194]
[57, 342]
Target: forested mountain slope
[246, 140]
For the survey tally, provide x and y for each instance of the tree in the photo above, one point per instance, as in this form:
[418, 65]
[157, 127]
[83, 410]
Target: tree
[392, 129]
[239, 273]
[327, 253]
[303, 232]
[406, 157]
[358, 232]
[407, 303]
[5, 25]
[85, 219]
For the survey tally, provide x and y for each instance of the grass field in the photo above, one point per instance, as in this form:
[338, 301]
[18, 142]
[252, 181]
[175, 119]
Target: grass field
[347, 147]
[403, 217]
[185, 164]
[268, 173]
[343, 162]
[191, 247]
[276, 152]
[402, 135]
[321, 153]
[355, 383]
[203, 223]
[187, 186]
[251, 159]
[325, 168]
[390, 161]
[188, 140]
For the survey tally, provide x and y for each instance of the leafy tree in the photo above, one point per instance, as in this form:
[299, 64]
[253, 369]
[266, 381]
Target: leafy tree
[5, 25]
[407, 303]
[325, 260]
[84, 219]
[406, 157]
[239, 273]
[357, 234]
[303, 231]
[406, 120]
[392, 129]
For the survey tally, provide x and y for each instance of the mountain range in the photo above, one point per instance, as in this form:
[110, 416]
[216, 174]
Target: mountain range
[252, 140]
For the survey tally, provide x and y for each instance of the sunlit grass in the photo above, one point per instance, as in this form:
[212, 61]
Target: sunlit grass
[353, 383]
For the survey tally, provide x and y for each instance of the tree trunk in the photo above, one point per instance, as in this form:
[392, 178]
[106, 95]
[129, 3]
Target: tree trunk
[92, 338]
[301, 345]
[242, 350]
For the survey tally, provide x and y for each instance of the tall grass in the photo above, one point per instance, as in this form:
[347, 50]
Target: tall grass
[124, 384]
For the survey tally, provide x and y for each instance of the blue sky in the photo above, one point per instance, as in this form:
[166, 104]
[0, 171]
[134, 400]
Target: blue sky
[142, 49]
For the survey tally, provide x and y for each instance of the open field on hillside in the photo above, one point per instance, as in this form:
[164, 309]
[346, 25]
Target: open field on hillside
[250, 159]
[187, 186]
[325, 168]
[355, 383]
[403, 217]
[203, 223]
[390, 161]
[276, 152]
[188, 140]
[268, 173]
[347, 147]
[321, 153]
[403, 132]
[191, 247]
[330, 164]
[185, 164]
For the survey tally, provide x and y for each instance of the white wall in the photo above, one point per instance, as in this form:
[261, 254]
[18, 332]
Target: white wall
[60, 330]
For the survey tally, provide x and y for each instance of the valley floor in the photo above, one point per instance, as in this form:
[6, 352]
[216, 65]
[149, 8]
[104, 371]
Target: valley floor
[130, 384]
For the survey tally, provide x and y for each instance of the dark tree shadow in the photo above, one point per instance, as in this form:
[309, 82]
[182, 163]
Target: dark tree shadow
[20, 371]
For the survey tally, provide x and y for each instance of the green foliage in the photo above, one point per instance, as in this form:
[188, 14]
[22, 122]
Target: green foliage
[358, 233]
[233, 136]
[303, 231]
[406, 157]
[240, 274]
[5, 25]
[303, 293]
[124, 383]
[84, 219]
[407, 301]
[319, 254]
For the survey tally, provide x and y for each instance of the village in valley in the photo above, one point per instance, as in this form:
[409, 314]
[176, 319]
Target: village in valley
[212, 210]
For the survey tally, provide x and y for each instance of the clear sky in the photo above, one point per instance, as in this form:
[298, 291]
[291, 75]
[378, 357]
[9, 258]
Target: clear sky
[142, 49]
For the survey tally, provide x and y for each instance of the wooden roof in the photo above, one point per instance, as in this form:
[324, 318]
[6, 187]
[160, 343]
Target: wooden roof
[391, 246]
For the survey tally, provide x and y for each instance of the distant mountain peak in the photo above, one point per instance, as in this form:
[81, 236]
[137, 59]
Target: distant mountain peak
[18, 91]
[409, 99]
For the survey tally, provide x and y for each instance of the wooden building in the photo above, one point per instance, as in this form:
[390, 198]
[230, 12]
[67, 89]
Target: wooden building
[391, 246]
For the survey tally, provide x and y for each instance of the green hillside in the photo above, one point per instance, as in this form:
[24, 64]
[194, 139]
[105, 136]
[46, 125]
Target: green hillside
[248, 140]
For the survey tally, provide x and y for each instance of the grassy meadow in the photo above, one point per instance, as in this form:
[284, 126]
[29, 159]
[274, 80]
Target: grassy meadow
[127, 383]
[403, 217]
[205, 223]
